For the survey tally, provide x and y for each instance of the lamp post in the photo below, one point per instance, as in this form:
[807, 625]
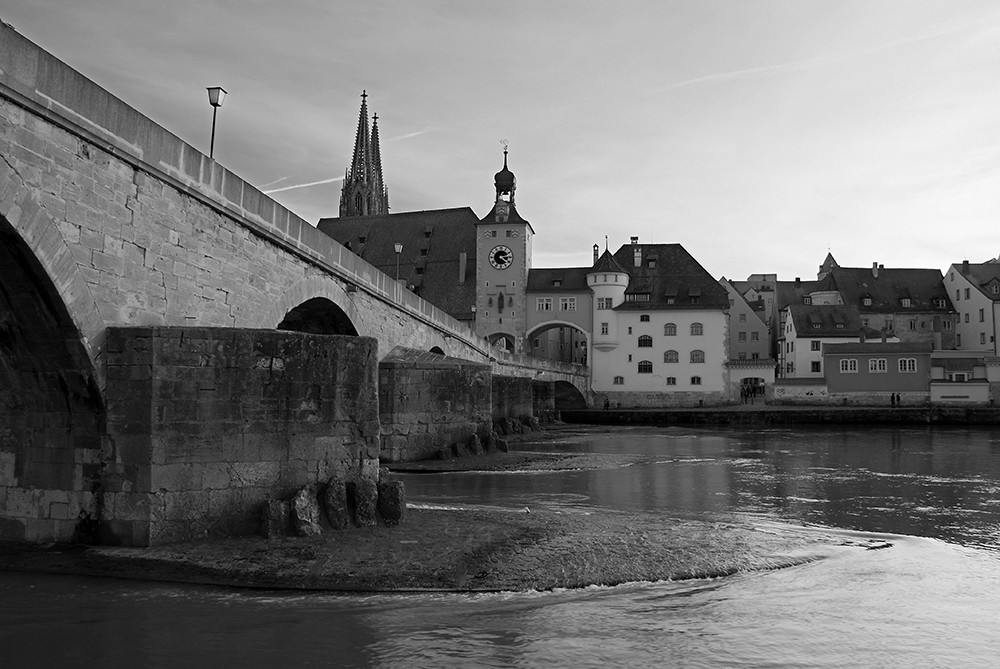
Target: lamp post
[399, 249]
[216, 94]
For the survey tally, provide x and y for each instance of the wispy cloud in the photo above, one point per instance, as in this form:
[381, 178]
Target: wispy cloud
[948, 29]
[409, 135]
[275, 182]
[311, 183]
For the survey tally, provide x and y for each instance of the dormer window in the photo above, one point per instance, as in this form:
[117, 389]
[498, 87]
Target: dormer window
[906, 302]
[995, 288]
[815, 326]
[939, 303]
[651, 263]
[362, 239]
[556, 283]
[807, 299]
[866, 301]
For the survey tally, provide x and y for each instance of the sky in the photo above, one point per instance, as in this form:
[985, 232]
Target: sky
[759, 134]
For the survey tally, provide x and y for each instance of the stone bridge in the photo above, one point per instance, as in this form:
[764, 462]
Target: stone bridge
[129, 261]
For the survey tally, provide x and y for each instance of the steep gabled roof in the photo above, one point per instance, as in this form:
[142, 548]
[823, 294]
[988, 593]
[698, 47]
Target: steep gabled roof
[982, 275]
[675, 281]
[827, 320]
[442, 233]
[888, 287]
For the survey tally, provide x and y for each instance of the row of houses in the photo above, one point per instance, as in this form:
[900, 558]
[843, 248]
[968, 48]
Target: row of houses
[653, 327]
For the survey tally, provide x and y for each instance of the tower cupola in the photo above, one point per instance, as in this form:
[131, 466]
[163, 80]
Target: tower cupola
[504, 181]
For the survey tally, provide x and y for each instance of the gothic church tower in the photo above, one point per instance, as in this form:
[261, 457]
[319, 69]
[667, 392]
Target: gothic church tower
[364, 193]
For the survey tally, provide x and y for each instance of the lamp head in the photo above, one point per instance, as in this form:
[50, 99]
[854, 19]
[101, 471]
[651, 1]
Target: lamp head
[216, 94]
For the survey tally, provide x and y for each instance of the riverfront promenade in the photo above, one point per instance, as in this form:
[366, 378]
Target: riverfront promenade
[759, 414]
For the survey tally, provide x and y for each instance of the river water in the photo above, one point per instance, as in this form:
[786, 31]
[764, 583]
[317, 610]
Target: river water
[932, 599]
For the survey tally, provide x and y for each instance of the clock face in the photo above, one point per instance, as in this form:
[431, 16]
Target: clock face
[501, 257]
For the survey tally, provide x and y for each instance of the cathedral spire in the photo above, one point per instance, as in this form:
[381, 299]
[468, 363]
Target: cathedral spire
[364, 193]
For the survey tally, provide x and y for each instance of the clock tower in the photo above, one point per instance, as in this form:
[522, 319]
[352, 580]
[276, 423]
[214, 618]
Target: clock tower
[503, 258]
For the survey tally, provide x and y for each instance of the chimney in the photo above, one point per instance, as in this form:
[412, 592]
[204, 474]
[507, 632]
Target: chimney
[462, 262]
[636, 252]
[875, 270]
[965, 267]
[884, 335]
[596, 249]
[634, 240]
[798, 281]
[861, 336]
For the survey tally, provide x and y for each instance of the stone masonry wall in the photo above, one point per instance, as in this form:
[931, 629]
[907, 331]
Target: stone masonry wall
[512, 397]
[429, 402]
[205, 424]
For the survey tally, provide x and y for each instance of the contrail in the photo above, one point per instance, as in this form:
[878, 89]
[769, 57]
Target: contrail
[312, 183]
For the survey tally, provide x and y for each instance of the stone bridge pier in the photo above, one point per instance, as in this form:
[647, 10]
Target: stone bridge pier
[175, 346]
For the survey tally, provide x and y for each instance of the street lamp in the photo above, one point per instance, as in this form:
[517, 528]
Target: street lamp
[399, 249]
[216, 94]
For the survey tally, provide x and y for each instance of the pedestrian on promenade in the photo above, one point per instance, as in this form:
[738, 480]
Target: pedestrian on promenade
[892, 400]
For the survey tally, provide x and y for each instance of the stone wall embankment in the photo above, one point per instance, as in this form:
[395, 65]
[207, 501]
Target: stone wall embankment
[206, 424]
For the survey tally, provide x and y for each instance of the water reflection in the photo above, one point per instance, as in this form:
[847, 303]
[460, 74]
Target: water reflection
[929, 482]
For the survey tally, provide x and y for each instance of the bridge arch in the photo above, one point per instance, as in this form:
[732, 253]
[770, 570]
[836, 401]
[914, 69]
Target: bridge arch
[52, 410]
[318, 302]
[318, 315]
[501, 340]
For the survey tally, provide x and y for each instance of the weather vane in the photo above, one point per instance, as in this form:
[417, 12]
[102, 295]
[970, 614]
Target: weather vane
[503, 143]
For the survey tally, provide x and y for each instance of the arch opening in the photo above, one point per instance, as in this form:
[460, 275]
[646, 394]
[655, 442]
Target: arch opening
[437, 349]
[318, 315]
[568, 396]
[558, 340]
[52, 411]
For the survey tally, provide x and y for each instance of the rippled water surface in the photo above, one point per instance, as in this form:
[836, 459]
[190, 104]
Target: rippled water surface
[931, 600]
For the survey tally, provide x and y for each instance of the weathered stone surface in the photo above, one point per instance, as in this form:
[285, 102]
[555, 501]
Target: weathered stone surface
[338, 512]
[363, 495]
[391, 501]
[276, 517]
[305, 511]
[475, 446]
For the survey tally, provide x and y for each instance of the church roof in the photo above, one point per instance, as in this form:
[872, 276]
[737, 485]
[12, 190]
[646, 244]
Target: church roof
[430, 261]
[667, 277]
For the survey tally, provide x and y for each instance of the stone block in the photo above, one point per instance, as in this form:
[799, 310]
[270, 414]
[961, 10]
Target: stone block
[335, 504]
[363, 497]
[391, 501]
[306, 512]
[276, 518]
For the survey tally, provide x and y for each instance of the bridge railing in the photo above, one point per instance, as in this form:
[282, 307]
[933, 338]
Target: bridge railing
[37, 81]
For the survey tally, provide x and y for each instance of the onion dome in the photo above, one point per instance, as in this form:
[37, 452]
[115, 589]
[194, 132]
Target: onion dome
[504, 179]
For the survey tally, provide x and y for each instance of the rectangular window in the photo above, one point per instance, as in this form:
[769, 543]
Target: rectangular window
[671, 380]
[966, 293]
[742, 355]
[849, 366]
[982, 316]
[958, 339]
[742, 337]
[743, 318]
[644, 318]
[543, 304]
[695, 380]
[907, 365]
[814, 345]
[958, 294]
[754, 336]
[509, 233]
[604, 303]
[966, 318]
[619, 380]
[604, 328]
[814, 366]
[982, 337]
[755, 356]
[913, 324]
[877, 366]
[567, 304]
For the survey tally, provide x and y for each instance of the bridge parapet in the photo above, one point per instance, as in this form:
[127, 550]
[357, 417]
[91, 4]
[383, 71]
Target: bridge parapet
[36, 81]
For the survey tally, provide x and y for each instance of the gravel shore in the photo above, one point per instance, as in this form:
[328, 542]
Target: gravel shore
[470, 549]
